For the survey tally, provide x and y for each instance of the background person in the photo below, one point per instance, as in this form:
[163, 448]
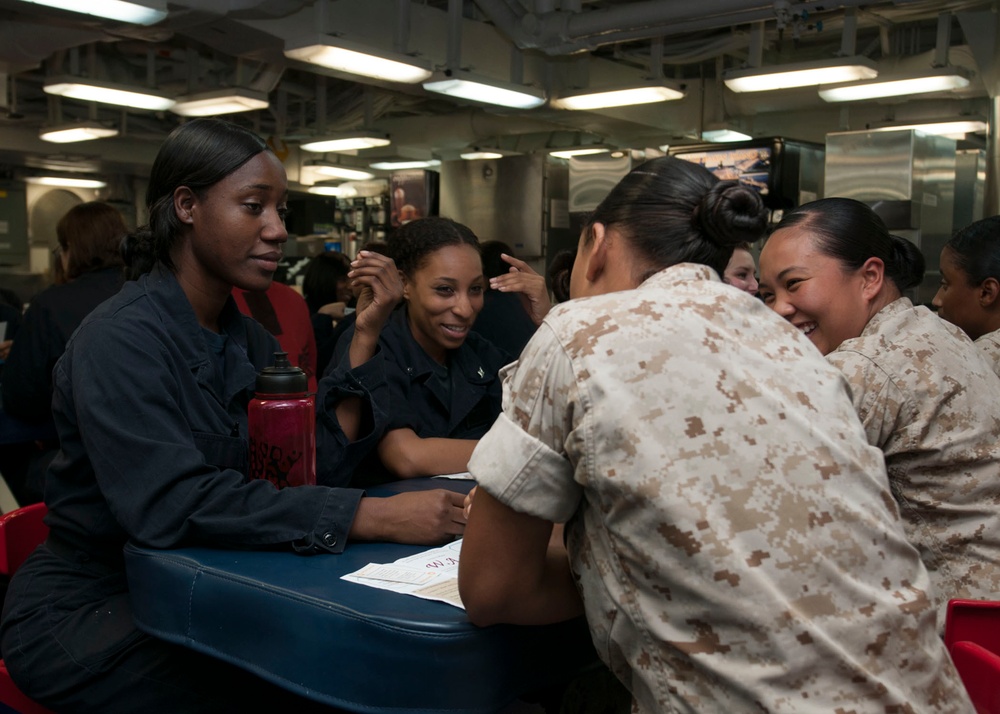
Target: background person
[921, 389]
[89, 237]
[327, 291]
[741, 272]
[284, 313]
[151, 401]
[728, 526]
[969, 296]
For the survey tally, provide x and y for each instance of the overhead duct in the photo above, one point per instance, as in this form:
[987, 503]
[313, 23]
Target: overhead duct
[561, 32]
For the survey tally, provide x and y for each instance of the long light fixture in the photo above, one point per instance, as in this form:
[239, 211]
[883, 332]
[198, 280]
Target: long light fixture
[800, 74]
[65, 182]
[571, 151]
[220, 101]
[941, 79]
[625, 96]
[475, 88]
[327, 190]
[396, 165]
[331, 170]
[942, 127]
[90, 90]
[352, 141]
[78, 131]
[137, 13]
[354, 58]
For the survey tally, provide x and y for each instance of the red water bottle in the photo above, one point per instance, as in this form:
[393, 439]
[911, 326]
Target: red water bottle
[282, 422]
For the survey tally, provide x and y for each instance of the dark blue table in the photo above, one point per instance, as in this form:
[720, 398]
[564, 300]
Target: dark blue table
[293, 621]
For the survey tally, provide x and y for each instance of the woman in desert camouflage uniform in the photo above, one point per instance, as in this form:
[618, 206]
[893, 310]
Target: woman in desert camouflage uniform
[923, 392]
[729, 529]
[969, 295]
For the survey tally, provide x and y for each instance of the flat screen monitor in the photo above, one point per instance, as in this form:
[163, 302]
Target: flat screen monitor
[749, 165]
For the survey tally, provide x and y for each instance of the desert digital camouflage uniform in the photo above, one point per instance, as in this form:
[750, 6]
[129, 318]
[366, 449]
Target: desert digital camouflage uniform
[927, 400]
[990, 346]
[730, 529]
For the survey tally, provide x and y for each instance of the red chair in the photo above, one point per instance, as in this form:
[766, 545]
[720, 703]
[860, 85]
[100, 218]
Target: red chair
[972, 636]
[21, 531]
[980, 672]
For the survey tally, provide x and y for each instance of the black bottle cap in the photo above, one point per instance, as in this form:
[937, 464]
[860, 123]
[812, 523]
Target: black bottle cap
[282, 378]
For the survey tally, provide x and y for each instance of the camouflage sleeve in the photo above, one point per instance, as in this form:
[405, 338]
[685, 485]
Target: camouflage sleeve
[522, 461]
[877, 399]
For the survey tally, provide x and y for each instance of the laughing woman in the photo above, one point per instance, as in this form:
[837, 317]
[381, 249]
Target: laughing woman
[969, 295]
[444, 388]
[921, 389]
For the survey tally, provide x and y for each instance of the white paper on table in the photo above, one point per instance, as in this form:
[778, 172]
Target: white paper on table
[462, 475]
[431, 575]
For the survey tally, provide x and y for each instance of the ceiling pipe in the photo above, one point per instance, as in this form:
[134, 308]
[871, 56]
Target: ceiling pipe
[561, 32]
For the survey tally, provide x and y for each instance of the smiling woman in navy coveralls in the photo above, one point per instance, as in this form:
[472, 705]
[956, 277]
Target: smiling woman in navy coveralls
[151, 408]
[443, 388]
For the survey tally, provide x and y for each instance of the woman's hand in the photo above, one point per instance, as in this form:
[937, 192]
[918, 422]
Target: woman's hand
[530, 286]
[381, 289]
[420, 517]
[5, 348]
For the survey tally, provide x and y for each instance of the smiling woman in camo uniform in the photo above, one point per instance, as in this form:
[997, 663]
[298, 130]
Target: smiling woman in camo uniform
[923, 392]
[729, 528]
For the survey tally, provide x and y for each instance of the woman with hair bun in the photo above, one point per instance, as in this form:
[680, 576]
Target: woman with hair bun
[832, 270]
[969, 296]
[729, 529]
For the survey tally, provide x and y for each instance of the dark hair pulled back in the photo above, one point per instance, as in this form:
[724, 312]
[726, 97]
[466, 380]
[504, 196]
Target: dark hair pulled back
[852, 232]
[197, 154]
[674, 211]
[412, 243]
[976, 250]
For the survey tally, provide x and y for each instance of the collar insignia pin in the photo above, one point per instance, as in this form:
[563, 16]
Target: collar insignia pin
[481, 373]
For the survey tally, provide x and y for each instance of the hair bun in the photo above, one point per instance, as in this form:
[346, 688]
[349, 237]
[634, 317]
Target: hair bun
[731, 213]
[907, 263]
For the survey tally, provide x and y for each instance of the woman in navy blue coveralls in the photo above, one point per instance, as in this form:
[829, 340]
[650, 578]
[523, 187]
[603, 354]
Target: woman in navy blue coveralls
[150, 404]
[444, 392]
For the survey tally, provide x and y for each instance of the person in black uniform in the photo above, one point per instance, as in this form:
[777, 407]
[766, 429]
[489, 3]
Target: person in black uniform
[151, 401]
[444, 390]
[89, 236]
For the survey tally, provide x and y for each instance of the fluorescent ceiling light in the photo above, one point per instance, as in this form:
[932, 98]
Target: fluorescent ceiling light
[723, 135]
[89, 90]
[644, 94]
[79, 131]
[325, 168]
[327, 190]
[220, 101]
[480, 154]
[66, 182]
[145, 13]
[944, 127]
[465, 85]
[801, 74]
[353, 58]
[347, 142]
[392, 165]
[570, 152]
[941, 79]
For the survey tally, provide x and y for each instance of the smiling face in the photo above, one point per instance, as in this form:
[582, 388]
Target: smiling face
[740, 272]
[237, 228]
[812, 290]
[444, 295]
[956, 300]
